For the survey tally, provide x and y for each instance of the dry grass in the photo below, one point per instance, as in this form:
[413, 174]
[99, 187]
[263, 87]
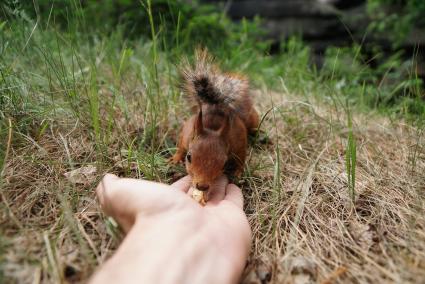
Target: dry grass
[378, 238]
[297, 198]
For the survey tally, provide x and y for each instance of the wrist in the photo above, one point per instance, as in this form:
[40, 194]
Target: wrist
[175, 248]
[179, 249]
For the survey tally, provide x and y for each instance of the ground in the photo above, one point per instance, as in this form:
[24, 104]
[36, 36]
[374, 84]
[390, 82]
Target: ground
[312, 219]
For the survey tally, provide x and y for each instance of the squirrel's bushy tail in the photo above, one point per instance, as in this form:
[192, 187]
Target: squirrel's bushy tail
[206, 84]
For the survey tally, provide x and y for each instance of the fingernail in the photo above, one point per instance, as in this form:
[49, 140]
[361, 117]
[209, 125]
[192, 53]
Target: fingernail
[110, 176]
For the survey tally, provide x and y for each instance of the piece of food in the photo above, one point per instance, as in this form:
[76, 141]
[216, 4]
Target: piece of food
[199, 196]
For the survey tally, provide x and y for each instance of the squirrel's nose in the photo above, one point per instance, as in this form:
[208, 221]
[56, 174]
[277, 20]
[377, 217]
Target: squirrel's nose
[202, 187]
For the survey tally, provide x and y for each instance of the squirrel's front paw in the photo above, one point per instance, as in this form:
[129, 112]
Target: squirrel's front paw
[175, 159]
[237, 175]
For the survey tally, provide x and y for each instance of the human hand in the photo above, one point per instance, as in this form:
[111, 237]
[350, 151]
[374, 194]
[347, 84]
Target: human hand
[171, 238]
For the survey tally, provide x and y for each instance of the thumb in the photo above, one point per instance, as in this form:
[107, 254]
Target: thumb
[125, 198]
[110, 201]
[102, 189]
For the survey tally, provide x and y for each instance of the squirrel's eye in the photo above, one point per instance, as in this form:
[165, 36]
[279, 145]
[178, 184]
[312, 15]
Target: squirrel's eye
[189, 157]
[229, 167]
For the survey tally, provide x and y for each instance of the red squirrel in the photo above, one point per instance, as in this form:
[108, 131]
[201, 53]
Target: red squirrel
[214, 140]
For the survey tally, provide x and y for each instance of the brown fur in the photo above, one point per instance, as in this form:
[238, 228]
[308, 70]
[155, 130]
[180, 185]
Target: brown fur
[215, 139]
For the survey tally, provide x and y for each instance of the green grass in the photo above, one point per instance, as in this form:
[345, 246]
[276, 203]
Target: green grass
[76, 96]
[350, 158]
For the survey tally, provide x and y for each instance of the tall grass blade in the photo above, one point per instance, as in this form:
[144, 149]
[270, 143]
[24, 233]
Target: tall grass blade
[350, 158]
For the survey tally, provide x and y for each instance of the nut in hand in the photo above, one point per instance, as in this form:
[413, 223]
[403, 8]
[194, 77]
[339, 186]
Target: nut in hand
[199, 196]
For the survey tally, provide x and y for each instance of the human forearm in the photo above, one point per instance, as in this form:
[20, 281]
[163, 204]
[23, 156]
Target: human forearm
[183, 255]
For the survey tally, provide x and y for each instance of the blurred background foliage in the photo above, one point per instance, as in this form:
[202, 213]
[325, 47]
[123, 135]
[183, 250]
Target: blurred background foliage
[396, 18]
[369, 72]
[181, 24]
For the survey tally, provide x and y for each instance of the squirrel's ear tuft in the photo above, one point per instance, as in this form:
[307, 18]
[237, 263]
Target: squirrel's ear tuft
[199, 127]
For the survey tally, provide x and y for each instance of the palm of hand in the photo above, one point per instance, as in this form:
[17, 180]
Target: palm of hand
[163, 210]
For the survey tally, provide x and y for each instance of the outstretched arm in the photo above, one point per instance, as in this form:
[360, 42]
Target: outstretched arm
[171, 238]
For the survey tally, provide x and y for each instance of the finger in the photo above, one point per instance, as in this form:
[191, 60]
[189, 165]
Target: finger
[183, 184]
[124, 198]
[234, 195]
[106, 193]
[218, 190]
[102, 187]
